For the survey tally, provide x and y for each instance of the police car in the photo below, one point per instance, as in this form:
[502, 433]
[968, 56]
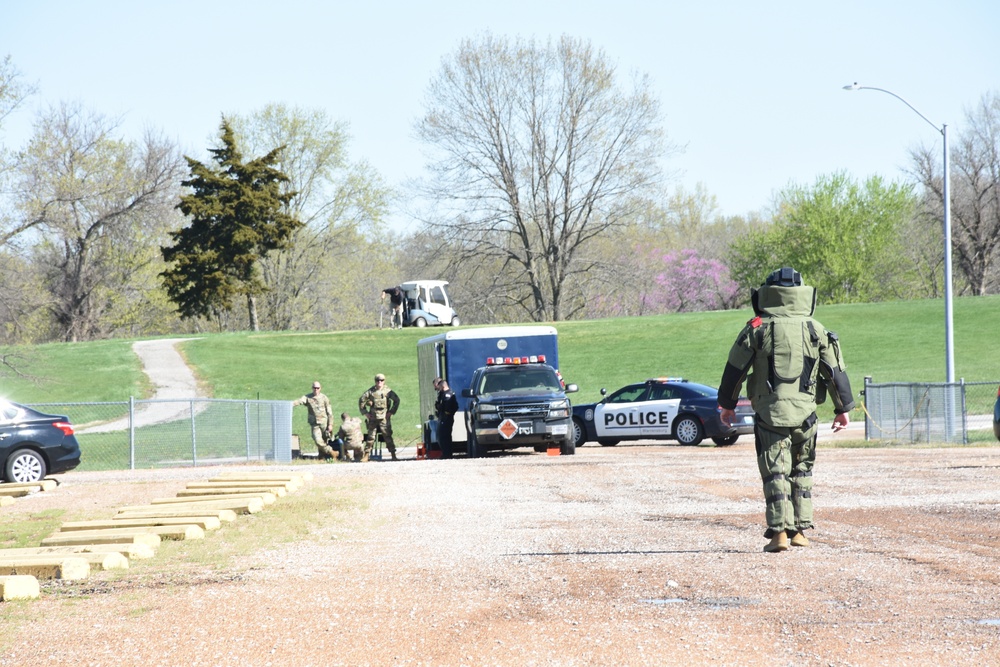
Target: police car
[660, 409]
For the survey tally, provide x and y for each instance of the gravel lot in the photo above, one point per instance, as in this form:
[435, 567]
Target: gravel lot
[632, 555]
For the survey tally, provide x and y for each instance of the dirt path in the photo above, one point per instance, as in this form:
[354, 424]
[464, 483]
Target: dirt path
[172, 380]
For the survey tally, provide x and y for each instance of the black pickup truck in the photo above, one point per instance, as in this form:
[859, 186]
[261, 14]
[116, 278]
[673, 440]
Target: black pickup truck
[518, 405]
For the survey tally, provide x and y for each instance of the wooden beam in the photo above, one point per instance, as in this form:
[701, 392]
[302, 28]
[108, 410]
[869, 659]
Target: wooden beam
[203, 522]
[265, 497]
[130, 551]
[18, 587]
[70, 568]
[167, 511]
[97, 561]
[250, 505]
[104, 537]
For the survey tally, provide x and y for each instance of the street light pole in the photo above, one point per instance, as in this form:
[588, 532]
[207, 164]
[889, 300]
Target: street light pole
[949, 341]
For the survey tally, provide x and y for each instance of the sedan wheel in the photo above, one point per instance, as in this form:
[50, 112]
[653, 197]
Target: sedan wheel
[25, 465]
[579, 434]
[688, 430]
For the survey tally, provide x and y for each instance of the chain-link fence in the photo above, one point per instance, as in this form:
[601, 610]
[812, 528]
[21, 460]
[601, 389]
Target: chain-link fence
[960, 412]
[187, 432]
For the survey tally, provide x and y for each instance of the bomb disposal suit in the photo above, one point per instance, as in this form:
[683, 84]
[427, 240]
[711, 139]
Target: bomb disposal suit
[793, 362]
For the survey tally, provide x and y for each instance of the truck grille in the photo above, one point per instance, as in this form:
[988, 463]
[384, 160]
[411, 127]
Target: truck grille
[524, 410]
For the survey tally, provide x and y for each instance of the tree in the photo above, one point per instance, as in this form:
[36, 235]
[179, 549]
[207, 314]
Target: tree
[99, 204]
[238, 216]
[687, 282]
[844, 237]
[975, 195]
[538, 153]
[318, 281]
[13, 90]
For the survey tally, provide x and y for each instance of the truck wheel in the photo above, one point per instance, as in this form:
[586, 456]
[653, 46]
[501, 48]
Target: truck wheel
[473, 449]
[688, 430]
[568, 447]
[579, 433]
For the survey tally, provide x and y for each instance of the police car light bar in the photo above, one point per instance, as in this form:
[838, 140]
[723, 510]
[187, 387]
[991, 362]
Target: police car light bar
[533, 359]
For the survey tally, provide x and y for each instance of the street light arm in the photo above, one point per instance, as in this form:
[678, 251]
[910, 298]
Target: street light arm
[855, 86]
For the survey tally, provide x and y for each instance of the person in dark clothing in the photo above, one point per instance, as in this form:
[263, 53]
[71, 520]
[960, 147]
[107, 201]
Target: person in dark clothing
[396, 296]
[446, 406]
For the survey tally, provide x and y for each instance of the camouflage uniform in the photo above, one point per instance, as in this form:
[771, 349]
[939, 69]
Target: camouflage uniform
[353, 440]
[792, 361]
[378, 405]
[320, 419]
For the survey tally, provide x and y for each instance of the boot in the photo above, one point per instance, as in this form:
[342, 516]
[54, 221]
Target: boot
[779, 542]
[393, 452]
[799, 539]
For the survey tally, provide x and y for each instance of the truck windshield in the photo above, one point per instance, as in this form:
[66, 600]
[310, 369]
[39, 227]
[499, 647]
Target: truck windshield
[520, 379]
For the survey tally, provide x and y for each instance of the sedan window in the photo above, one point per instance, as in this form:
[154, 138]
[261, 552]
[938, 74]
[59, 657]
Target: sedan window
[628, 394]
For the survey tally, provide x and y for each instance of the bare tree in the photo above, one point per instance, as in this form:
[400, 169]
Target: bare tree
[100, 206]
[13, 89]
[538, 153]
[975, 194]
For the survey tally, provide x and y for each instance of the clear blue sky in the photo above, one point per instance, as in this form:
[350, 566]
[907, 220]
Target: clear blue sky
[753, 89]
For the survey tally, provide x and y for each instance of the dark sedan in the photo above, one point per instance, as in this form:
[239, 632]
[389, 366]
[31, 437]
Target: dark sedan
[660, 409]
[34, 444]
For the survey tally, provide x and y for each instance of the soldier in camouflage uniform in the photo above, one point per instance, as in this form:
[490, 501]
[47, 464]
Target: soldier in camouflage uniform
[350, 439]
[378, 405]
[320, 419]
[793, 362]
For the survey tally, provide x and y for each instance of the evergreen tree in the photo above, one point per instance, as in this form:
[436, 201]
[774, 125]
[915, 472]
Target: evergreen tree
[238, 215]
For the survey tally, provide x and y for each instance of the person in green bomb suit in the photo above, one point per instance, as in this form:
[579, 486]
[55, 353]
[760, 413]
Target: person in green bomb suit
[793, 362]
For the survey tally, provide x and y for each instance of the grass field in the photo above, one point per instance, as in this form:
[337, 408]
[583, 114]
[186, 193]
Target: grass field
[891, 342]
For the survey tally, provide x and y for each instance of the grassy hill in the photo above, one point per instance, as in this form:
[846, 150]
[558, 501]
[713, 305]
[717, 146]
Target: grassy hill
[897, 341]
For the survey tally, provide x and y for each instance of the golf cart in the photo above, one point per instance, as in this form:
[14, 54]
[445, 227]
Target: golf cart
[426, 303]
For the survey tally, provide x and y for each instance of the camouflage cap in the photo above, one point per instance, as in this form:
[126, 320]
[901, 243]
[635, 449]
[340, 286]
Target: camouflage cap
[380, 377]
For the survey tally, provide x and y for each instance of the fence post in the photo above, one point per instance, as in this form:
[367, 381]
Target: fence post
[864, 402]
[194, 438]
[131, 432]
[246, 425]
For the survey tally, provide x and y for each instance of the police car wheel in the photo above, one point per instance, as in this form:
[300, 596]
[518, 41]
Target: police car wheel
[607, 442]
[579, 433]
[726, 441]
[688, 430]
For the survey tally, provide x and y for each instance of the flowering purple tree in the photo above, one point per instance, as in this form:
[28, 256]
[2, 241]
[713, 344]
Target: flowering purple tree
[689, 283]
